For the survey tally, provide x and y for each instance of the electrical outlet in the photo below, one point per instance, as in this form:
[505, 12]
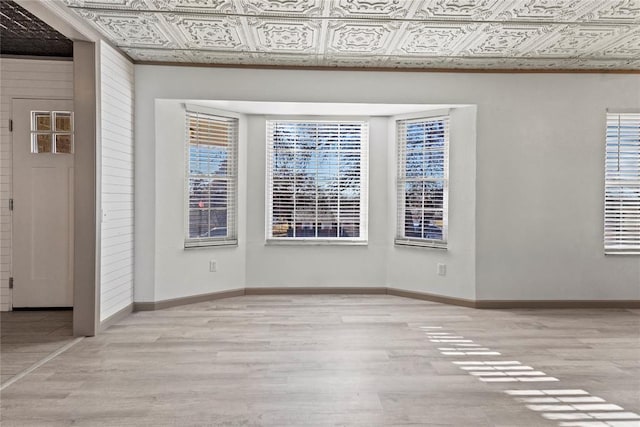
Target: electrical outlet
[213, 267]
[442, 269]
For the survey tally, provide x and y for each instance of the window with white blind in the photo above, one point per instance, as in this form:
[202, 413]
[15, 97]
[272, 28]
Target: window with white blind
[212, 180]
[622, 184]
[317, 181]
[422, 181]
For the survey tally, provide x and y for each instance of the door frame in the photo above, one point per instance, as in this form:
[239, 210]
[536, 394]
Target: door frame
[87, 197]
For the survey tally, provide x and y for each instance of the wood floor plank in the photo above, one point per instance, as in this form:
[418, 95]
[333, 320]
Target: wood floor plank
[316, 360]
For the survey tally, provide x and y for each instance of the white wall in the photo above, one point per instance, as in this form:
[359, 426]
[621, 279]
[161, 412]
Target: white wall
[539, 181]
[22, 78]
[181, 272]
[336, 265]
[415, 268]
[117, 170]
[540, 190]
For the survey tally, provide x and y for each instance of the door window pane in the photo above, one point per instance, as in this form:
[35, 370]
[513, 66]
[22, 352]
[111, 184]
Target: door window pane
[63, 143]
[42, 143]
[41, 122]
[63, 122]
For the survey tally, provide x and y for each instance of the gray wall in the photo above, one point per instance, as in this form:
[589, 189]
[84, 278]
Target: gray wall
[538, 185]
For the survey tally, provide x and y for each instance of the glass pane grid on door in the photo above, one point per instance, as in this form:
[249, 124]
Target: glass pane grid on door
[52, 132]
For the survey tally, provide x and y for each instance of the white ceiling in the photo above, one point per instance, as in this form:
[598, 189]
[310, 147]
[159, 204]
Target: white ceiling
[424, 34]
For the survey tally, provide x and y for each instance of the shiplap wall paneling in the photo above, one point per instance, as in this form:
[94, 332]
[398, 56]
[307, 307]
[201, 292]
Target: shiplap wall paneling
[117, 82]
[22, 78]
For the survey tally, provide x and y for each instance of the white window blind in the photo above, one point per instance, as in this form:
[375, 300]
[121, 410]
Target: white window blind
[622, 184]
[212, 180]
[423, 146]
[317, 180]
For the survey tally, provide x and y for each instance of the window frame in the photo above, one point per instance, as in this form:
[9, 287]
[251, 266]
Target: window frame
[400, 238]
[231, 238]
[364, 183]
[616, 179]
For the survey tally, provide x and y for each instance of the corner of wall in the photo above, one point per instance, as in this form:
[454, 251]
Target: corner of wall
[145, 188]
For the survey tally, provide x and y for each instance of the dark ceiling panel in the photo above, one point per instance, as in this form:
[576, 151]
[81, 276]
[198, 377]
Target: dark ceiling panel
[22, 33]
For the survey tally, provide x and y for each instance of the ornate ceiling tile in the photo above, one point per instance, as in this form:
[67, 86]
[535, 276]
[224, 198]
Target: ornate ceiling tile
[107, 4]
[612, 64]
[491, 34]
[206, 6]
[503, 40]
[130, 29]
[485, 63]
[353, 61]
[159, 55]
[354, 37]
[417, 62]
[573, 41]
[281, 7]
[460, 9]
[207, 57]
[216, 32]
[288, 60]
[628, 46]
[548, 10]
[512, 63]
[371, 8]
[618, 10]
[436, 40]
[285, 36]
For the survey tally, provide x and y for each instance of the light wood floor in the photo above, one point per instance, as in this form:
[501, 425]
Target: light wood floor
[324, 360]
[29, 336]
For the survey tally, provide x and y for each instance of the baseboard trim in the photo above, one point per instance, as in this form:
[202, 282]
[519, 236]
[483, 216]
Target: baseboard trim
[337, 290]
[317, 291]
[550, 304]
[168, 303]
[431, 297]
[116, 317]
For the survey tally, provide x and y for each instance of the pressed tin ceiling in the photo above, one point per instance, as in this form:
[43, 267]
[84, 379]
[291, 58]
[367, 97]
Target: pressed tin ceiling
[22, 33]
[425, 34]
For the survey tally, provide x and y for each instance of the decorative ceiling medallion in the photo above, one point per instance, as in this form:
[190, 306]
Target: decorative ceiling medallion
[218, 33]
[353, 37]
[286, 36]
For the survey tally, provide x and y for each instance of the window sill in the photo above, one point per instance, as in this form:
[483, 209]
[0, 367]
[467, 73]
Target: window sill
[618, 252]
[421, 244]
[209, 244]
[315, 242]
